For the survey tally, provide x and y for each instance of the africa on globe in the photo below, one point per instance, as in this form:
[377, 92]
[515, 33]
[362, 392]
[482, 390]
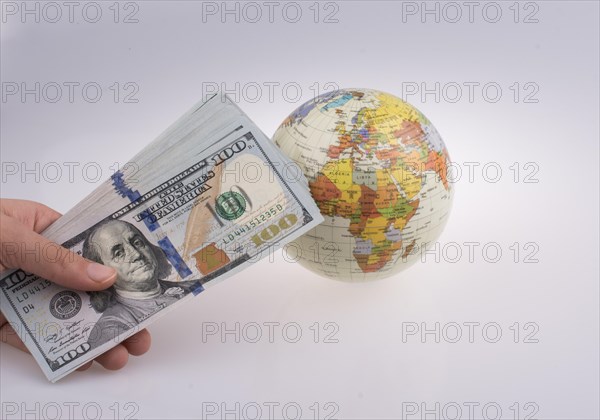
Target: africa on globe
[377, 169]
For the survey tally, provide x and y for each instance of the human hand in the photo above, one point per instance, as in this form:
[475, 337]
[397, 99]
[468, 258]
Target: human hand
[21, 222]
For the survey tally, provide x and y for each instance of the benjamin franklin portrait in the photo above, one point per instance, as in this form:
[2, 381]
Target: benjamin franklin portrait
[140, 290]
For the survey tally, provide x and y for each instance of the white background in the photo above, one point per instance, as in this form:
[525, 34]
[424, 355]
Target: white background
[177, 51]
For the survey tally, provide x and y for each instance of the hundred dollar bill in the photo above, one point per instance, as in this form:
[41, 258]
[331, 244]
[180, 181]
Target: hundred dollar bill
[209, 197]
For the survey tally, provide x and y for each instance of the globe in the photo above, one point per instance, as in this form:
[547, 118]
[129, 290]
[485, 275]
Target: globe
[377, 169]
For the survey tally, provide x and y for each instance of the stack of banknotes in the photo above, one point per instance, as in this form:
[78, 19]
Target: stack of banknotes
[210, 196]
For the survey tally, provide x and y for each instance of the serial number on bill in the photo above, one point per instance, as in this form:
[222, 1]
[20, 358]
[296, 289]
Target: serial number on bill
[249, 226]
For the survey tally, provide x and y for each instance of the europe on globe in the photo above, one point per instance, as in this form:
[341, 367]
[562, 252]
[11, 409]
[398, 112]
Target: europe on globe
[377, 168]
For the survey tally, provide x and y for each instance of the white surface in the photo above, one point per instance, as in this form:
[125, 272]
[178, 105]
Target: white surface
[370, 371]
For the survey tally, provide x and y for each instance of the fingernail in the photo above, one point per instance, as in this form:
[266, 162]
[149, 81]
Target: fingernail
[99, 273]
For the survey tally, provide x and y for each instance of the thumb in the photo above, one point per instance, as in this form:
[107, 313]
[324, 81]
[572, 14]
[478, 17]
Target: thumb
[30, 251]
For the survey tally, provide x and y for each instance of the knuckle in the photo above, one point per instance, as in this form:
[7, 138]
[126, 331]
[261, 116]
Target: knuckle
[10, 248]
[67, 260]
